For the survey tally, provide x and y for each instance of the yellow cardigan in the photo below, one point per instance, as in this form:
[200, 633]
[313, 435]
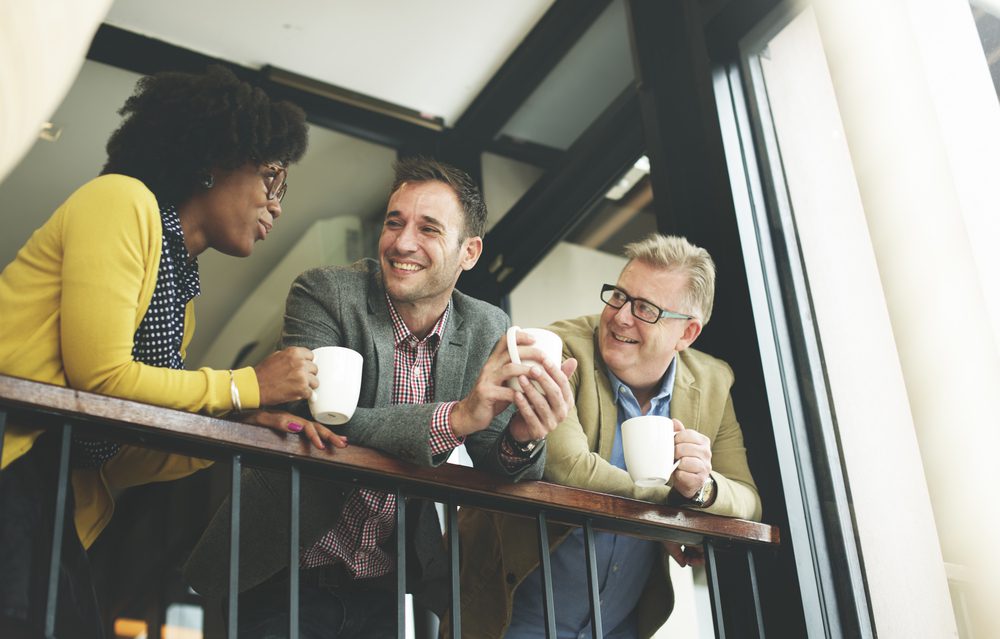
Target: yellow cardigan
[70, 304]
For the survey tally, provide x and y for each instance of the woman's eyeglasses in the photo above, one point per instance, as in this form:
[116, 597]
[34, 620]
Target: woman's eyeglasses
[276, 181]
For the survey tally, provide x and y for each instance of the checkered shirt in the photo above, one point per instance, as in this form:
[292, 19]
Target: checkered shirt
[369, 516]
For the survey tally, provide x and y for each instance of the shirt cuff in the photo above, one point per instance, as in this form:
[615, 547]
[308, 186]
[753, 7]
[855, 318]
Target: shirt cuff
[442, 437]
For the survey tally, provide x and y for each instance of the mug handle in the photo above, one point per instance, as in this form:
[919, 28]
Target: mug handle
[676, 463]
[673, 468]
[512, 344]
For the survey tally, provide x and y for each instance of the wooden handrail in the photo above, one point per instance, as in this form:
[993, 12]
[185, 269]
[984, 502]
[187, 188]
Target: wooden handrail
[43, 405]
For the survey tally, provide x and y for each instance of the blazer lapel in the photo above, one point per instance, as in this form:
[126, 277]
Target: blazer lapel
[452, 356]
[607, 409]
[685, 403]
[383, 342]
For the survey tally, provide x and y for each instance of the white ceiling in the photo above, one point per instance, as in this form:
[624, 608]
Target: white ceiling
[432, 56]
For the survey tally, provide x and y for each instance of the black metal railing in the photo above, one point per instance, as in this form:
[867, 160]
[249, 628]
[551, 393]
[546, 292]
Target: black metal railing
[68, 412]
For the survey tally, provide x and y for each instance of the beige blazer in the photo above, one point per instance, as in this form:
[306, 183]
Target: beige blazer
[499, 551]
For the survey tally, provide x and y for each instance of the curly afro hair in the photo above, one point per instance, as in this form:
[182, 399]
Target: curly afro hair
[180, 126]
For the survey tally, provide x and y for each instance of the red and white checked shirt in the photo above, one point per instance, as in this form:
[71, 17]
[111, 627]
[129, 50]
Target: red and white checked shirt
[369, 516]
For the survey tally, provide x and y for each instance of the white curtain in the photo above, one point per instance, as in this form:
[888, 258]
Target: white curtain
[42, 45]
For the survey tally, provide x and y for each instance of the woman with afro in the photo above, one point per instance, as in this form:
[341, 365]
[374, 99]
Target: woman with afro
[100, 299]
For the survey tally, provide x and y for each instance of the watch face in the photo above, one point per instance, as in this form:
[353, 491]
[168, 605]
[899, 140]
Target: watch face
[706, 491]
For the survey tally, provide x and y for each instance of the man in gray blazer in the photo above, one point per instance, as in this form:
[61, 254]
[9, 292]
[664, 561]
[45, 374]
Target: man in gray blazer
[434, 377]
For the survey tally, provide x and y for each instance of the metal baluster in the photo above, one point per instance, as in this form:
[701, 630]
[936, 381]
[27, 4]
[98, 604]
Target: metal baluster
[711, 569]
[59, 522]
[596, 627]
[400, 565]
[752, 567]
[456, 595]
[234, 547]
[3, 429]
[295, 493]
[548, 605]
[155, 620]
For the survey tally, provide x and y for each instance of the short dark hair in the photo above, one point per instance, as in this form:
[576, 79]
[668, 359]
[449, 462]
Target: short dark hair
[180, 126]
[424, 169]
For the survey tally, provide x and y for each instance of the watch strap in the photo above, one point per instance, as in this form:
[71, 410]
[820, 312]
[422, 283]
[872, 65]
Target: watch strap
[525, 449]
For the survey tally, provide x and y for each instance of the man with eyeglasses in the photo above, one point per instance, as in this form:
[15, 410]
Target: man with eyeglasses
[634, 359]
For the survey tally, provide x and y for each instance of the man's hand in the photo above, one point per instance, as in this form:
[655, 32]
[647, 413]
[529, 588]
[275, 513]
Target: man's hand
[695, 453]
[490, 395]
[286, 376]
[287, 423]
[685, 555]
[537, 414]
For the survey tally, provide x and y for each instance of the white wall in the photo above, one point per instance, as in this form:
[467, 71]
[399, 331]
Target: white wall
[35, 78]
[566, 284]
[505, 181]
[259, 317]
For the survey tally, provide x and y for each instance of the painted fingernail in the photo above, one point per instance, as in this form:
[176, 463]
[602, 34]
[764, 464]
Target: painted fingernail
[295, 427]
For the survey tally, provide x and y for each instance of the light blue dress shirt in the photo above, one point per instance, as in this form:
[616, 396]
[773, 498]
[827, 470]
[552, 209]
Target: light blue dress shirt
[623, 562]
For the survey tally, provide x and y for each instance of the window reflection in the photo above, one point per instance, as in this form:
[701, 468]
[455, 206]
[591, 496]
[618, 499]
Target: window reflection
[625, 214]
[987, 15]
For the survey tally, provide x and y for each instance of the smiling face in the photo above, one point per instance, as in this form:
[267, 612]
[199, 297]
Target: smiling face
[420, 248]
[638, 353]
[232, 215]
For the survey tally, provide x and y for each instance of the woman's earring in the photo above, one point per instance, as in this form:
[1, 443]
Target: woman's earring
[208, 181]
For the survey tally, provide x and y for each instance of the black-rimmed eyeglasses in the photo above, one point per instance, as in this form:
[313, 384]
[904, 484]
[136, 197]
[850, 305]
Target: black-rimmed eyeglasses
[276, 180]
[641, 309]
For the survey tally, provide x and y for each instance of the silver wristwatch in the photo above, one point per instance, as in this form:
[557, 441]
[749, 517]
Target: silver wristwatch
[706, 494]
[525, 448]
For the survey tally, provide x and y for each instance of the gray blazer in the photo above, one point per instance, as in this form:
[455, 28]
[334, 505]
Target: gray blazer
[346, 306]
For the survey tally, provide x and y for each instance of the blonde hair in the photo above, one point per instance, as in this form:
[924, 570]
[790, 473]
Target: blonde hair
[675, 253]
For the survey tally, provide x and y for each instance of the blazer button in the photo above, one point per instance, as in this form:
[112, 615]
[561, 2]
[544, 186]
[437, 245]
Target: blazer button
[511, 579]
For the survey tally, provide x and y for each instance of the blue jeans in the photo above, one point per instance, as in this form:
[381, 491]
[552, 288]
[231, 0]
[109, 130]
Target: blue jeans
[344, 612]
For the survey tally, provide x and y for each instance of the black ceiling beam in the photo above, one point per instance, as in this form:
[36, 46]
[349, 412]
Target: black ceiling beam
[674, 77]
[558, 200]
[140, 54]
[540, 155]
[526, 68]
[692, 194]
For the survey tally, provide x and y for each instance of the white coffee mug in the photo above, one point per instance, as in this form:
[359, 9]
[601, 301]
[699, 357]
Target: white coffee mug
[546, 341]
[648, 443]
[334, 401]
